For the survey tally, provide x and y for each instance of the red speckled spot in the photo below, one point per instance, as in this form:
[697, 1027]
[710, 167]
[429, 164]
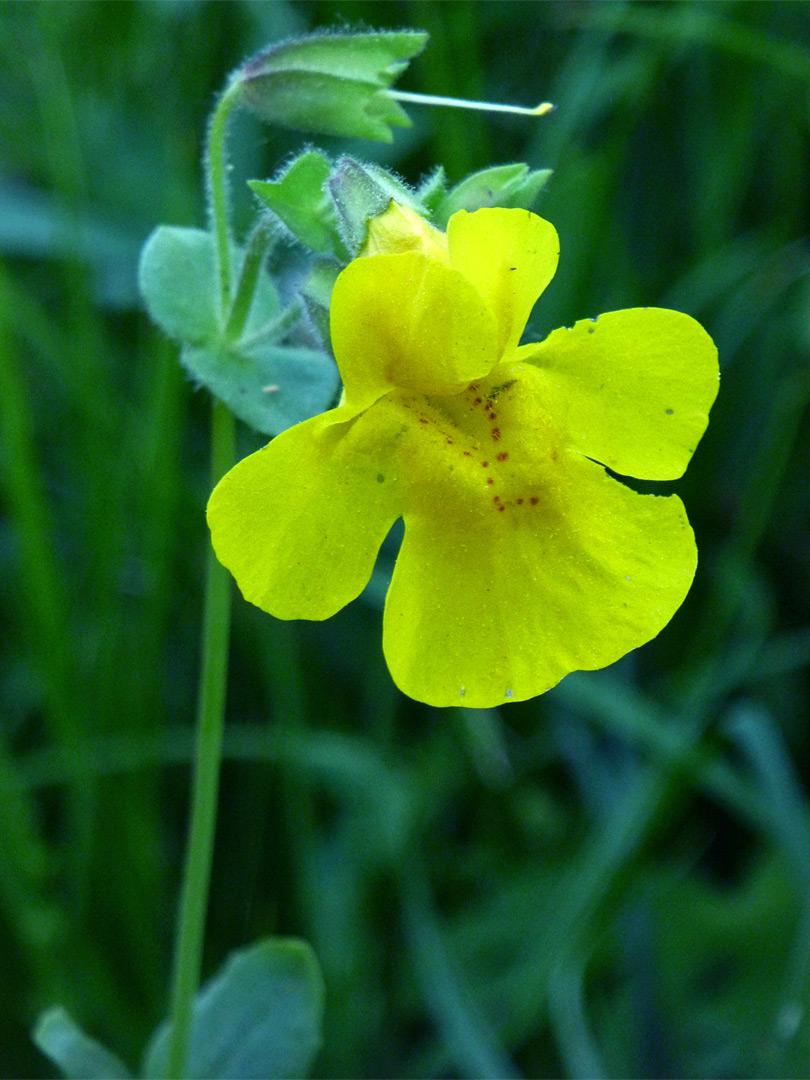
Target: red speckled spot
[534, 500]
[501, 508]
[520, 502]
[497, 498]
[477, 401]
[449, 442]
[490, 480]
[503, 457]
[467, 453]
[496, 433]
[423, 420]
[485, 464]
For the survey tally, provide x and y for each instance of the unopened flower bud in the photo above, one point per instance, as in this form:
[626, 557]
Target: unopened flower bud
[333, 84]
[398, 229]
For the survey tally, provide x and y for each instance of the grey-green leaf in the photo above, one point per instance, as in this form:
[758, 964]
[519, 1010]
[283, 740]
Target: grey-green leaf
[78, 1056]
[270, 387]
[178, 281]
[258, 1019]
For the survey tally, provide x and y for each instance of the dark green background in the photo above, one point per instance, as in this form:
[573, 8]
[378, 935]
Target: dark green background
[613, 879]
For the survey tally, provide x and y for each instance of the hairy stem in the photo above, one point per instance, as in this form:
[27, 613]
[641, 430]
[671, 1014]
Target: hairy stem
[214, 664]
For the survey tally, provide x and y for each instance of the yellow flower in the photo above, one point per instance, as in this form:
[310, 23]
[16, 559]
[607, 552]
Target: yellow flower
[523, 559]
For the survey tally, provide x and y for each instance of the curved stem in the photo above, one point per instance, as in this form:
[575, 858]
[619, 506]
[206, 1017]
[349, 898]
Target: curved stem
[214, 663]
[218, 187]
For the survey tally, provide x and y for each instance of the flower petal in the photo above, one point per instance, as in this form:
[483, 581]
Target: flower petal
[510, 256]
[299, 523]
[410, 322]
[632, 388]
[499, 609]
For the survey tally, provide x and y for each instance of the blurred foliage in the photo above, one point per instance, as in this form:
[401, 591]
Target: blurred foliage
[613, 879]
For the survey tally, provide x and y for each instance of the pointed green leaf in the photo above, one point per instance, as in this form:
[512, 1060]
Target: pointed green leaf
[78, 1056]
[270, 387]
[299, 198]
[332, 83]
[258, 1019]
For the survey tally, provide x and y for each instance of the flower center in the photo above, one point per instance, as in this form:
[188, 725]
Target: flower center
[491, 449]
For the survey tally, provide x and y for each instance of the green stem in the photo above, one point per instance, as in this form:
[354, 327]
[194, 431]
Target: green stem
[214, 673]
[210, 724]
[254, 257]
[218, 181]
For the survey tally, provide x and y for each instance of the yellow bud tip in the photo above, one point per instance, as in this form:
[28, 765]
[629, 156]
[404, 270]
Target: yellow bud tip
[543, 108]
[398, 229]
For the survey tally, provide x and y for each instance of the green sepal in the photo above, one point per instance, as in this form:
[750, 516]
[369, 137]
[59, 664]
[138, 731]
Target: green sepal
[178, 281]
[502, 185]
[270, 387]
[433, 190]
[259, 1018]
[301, 200]
[333, 84]
[361, 192]
[316, 293]
[528, 191]
[73, 1052]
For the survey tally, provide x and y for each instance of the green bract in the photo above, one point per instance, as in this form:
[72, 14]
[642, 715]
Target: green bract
[327, 207]
[501, 185]
[523, 559]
